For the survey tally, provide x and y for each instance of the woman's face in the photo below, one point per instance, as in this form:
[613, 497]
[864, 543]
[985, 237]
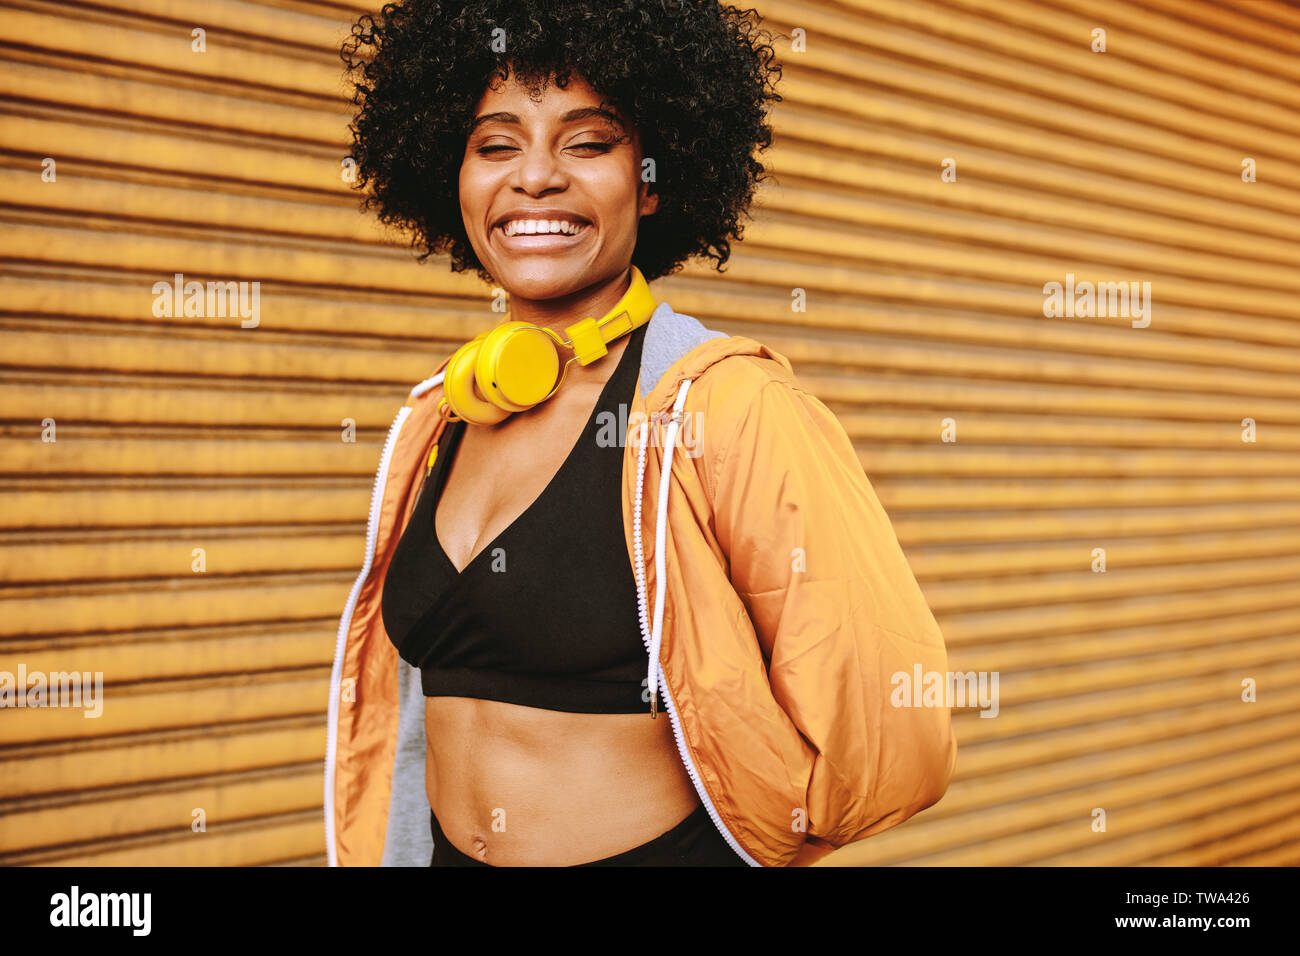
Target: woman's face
[553, 159]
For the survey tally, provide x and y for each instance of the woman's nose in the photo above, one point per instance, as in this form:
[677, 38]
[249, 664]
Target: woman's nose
[539, 168]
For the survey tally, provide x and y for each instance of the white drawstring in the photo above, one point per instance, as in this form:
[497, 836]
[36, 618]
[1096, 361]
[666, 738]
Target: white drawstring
[427, 384]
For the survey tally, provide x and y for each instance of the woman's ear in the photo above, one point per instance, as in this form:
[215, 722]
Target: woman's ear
[649, 201]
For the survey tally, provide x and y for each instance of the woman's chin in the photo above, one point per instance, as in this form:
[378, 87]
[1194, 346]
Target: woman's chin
[539, 278]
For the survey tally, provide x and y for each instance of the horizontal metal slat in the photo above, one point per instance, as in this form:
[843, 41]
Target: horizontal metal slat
[997, 753]
[257, 20]
[1280, 835]
[1034, 831]
[1242, 812]
[1039, 796]
[175, 603]
[192, 657]
[166, 48]
[1116, 644]
[1075, 712]
[168, 755]
[248, 796]
[257, 843]
[175, 704]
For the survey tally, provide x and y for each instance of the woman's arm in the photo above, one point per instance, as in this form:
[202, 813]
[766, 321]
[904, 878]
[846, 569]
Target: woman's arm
[836, 610]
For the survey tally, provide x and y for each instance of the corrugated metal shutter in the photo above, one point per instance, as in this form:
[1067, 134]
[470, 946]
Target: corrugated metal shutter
[1118, 690]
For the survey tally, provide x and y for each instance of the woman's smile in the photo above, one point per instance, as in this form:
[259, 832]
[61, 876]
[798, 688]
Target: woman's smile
[539, 242]
[546, 235]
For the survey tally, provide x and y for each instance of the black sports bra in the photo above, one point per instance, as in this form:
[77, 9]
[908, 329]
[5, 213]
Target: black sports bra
[545, 615]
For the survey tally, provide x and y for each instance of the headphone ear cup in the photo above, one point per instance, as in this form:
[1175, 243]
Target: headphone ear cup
[459, 388]
[517, 366]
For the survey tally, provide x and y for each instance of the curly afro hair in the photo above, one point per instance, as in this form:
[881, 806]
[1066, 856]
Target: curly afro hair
[693, 76]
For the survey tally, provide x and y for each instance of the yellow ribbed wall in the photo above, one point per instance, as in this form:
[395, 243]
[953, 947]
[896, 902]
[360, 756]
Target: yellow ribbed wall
[1118, 690]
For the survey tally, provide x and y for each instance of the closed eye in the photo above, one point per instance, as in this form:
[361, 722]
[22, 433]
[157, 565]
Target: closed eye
[602, 147]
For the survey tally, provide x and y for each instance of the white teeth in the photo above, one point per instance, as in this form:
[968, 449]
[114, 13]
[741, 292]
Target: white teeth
[535, 227]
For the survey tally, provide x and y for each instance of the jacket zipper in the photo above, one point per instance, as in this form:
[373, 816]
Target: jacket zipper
[345, 624]
[652, 641]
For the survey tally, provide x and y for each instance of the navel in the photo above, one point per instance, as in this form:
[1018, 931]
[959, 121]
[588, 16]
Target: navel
[478, 848]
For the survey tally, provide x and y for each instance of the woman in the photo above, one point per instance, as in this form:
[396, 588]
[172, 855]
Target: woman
[498, 646]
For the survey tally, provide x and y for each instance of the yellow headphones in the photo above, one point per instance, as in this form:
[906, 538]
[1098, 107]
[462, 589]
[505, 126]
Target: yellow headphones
[517, 365]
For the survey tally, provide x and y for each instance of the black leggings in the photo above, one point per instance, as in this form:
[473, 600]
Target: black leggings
[693, 842]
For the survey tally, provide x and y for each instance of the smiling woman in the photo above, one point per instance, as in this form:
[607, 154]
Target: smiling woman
[510, 663]
[694, 80]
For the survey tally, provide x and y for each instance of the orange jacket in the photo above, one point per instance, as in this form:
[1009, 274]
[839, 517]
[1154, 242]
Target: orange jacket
[778, 611]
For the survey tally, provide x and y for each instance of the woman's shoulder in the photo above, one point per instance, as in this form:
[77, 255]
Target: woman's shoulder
[737, 373]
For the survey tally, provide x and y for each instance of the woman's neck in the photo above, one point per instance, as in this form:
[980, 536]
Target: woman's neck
[557, 314]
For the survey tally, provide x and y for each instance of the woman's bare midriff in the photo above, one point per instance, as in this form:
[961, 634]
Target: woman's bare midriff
[522, 786]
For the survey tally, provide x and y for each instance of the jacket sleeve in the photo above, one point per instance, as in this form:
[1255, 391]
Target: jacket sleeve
[837, 613]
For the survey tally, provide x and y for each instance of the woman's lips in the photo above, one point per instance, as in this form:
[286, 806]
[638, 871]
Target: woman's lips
[523, 242]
